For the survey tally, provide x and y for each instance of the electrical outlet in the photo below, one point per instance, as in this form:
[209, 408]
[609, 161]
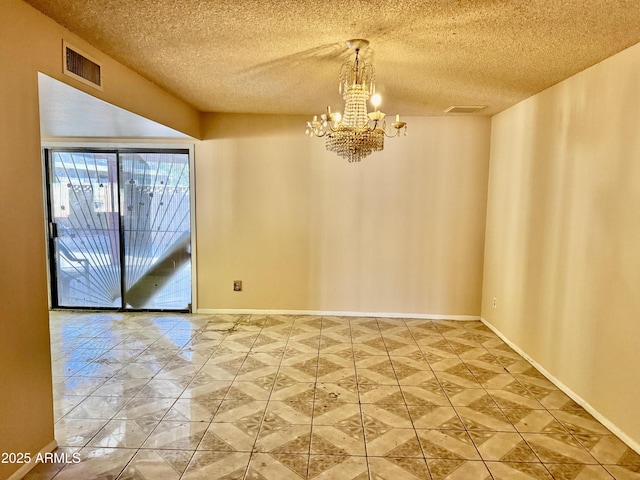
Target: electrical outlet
[495, 302]
[237, 285]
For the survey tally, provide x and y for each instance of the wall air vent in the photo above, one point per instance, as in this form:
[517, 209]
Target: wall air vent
[465, 108]
[80, 66]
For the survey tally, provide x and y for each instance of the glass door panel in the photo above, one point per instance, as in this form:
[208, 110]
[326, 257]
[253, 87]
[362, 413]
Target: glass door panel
[84, 229]
[155, 208]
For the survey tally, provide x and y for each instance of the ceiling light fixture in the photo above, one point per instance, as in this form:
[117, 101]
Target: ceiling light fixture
[357, 133]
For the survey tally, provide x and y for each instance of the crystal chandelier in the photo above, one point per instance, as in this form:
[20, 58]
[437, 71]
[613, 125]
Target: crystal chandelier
[357, 133]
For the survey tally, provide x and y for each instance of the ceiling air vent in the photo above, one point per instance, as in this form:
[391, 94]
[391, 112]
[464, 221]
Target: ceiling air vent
[465, 108]
[81, 67]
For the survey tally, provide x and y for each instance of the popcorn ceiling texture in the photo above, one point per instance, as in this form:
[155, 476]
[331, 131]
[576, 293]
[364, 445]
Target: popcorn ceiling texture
[284, 56]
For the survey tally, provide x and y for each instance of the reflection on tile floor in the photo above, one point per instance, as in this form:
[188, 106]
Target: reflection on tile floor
[168, 397]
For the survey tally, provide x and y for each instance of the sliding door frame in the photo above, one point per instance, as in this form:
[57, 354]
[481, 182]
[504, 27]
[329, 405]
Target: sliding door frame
[118, 148]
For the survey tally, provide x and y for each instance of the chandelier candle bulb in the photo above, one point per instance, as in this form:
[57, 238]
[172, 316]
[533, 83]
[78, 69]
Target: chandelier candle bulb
[376, 100]
[397, 117]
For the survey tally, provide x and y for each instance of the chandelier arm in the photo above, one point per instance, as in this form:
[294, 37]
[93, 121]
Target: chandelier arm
[318, 132]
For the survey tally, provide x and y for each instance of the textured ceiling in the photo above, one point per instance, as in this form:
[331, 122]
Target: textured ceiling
[284, 56]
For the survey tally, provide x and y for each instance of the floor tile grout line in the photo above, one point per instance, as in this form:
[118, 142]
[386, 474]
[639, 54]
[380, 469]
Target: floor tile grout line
[424, 455]
[357, 385]
[315, 390]
[86, 445]
[398, 380]
[253, 451]
[502, 409]
[456, 412]
[174, 400]
[232, 330]
[444, 392]
[174, 403]
[139, 449]
[511, 422]
[222, 400]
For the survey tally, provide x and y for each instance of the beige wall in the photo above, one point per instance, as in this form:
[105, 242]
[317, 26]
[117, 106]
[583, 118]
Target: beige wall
[30, 43]
[563, 234]
[402, 232]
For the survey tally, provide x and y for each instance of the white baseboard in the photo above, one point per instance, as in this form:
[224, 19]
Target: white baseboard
[27, 467]
[425, 316]
[631, 443]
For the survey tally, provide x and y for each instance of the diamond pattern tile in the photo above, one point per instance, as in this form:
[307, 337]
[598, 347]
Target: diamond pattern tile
[311, 397]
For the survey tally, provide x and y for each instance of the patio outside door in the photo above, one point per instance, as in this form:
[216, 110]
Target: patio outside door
[119, 229]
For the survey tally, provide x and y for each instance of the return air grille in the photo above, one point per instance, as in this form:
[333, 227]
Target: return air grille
[465, 108]
[82, 67]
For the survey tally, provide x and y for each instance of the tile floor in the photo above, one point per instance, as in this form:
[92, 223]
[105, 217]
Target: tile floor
[164, 397]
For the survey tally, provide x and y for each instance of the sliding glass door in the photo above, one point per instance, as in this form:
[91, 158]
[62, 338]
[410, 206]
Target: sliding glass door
[120, 229]
[84, 229]
[156, 230]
